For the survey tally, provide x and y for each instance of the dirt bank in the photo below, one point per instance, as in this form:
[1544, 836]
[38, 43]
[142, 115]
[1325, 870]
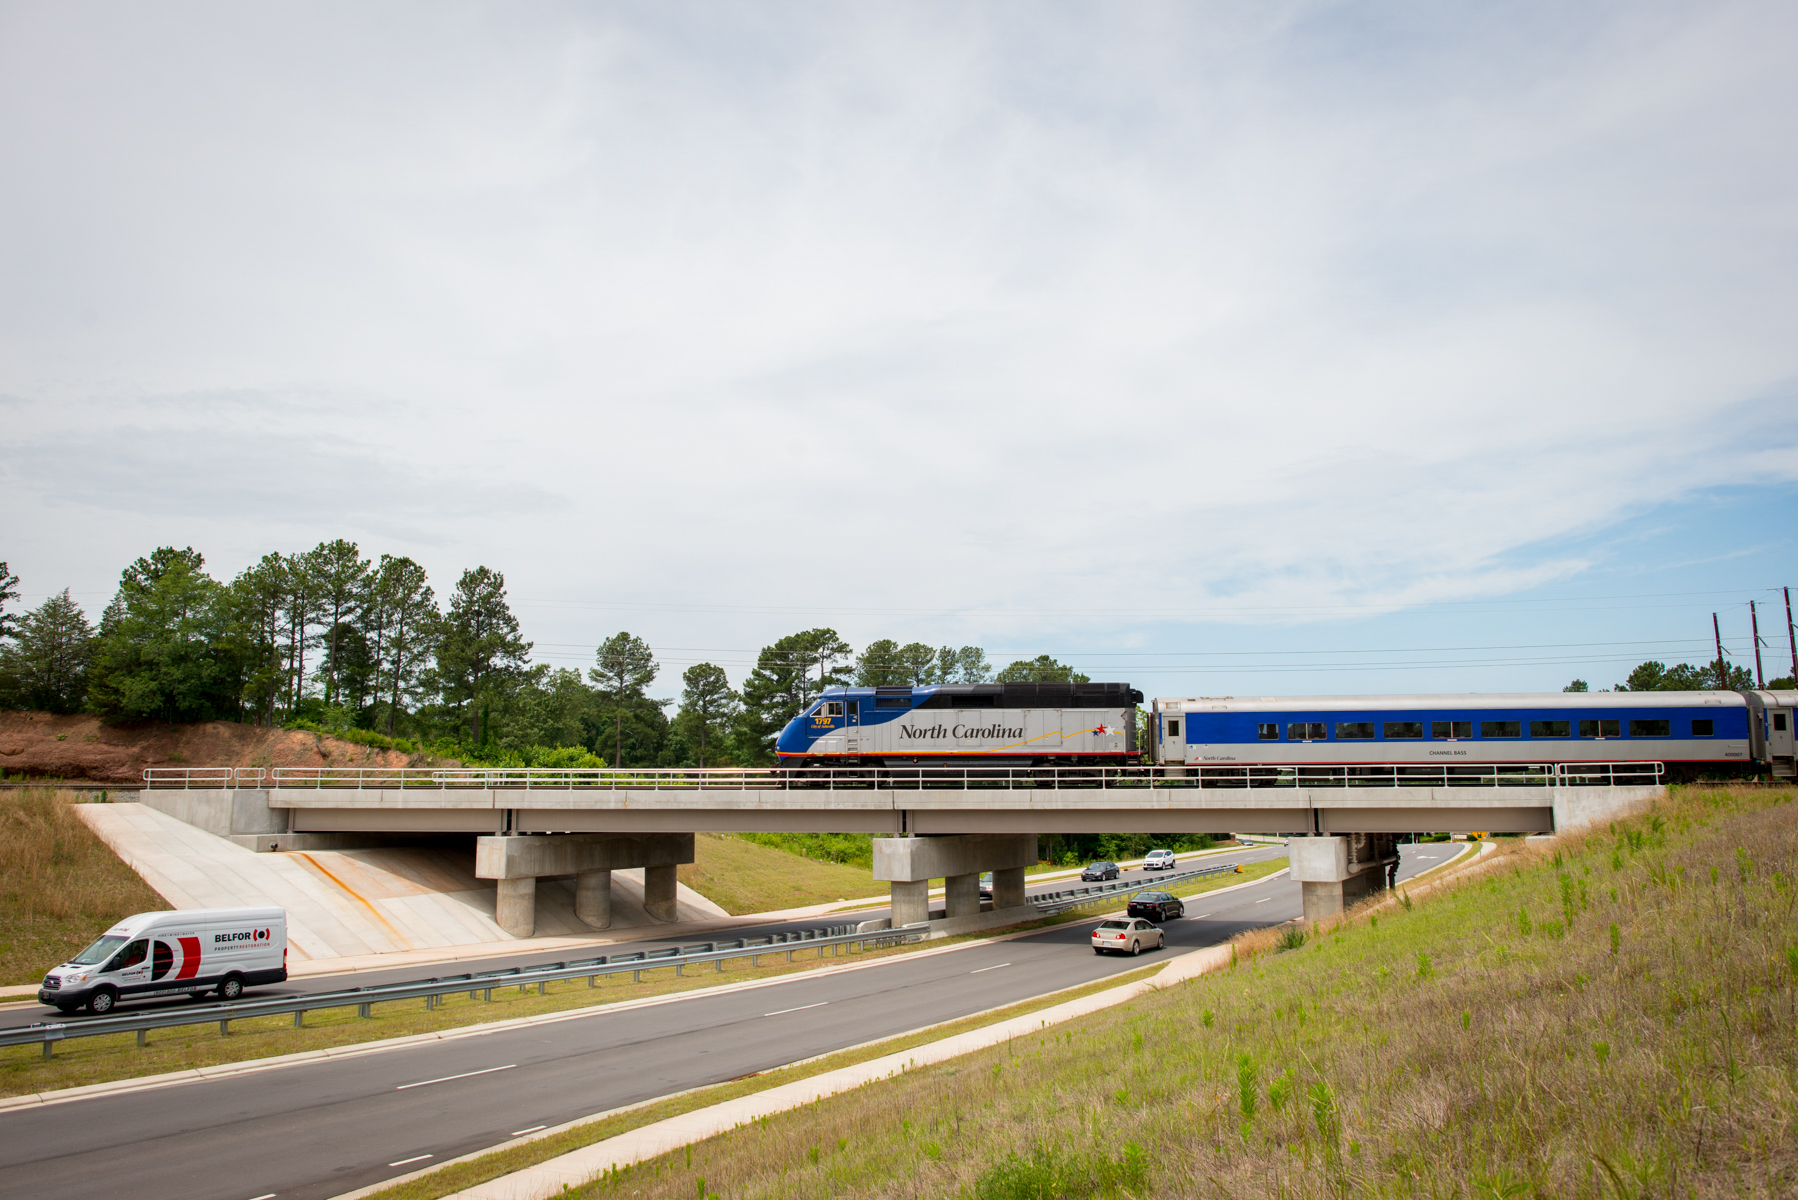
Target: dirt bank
[86, 750]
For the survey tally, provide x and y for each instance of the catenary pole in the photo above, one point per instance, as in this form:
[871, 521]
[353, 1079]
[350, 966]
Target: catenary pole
[1791, 639]
[1754, 624]
[1722, 668]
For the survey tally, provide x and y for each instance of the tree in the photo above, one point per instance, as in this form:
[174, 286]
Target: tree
[480, 654]
[708, 707]
[1683, 677]
[1578, 685]
[880, 666]
[967, 665]
[403, 619]
[259, 599]
[338, 575]
[163, 649]
[625, 667]
[557, 709]
[781, 684]
[1041, 669]
[8, 591]
[46, 666]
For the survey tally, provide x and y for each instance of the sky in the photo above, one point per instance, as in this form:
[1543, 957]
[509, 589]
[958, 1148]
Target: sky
[1224, 348]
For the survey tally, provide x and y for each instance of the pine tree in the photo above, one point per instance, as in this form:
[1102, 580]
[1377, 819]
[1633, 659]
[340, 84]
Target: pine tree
[481, 656]
[625, 668]
[45, 667]
[708, 707]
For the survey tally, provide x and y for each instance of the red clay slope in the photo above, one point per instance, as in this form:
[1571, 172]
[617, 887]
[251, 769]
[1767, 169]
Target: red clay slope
[85, 750]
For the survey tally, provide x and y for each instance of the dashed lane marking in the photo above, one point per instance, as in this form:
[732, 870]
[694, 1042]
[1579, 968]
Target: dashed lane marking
[415, 1158]
[983, 970]
[464, 1075]
[1264, 900]
[532, 1129]
[801, 1008]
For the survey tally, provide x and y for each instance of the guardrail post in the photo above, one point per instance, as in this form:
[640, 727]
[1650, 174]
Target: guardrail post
[362, 1010]
[47, 1044]
[299, 1019]
[141, 1039]
[225, 1027]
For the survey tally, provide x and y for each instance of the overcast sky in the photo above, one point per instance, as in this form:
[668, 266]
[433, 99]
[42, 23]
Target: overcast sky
[1221, 346]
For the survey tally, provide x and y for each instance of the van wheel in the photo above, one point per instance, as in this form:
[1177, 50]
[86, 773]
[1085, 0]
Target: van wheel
[101, 1002]
[230, 988]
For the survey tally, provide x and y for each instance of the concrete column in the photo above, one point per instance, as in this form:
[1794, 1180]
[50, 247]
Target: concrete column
[961, 895]
[515, 910]
[1008, 887]
[593, 898]
[659, 893]
[1323, 900]
[911, 901]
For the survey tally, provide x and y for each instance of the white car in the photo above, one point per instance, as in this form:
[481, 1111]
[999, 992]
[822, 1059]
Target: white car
[1160, 860]
[1126, 935]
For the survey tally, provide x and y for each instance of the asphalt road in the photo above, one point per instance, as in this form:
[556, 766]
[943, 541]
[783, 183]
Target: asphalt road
[317, 1130]
[34, 1013]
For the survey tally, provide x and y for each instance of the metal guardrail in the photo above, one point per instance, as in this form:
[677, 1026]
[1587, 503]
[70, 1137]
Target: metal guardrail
[1209, 775]
[434, 989]
[1053, 903]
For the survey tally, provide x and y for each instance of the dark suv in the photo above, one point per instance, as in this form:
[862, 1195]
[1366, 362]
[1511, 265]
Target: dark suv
[1156, 906]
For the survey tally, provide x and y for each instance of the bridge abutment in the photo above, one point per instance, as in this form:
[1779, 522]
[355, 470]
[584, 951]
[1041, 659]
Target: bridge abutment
[1335, 872]
[516, 861]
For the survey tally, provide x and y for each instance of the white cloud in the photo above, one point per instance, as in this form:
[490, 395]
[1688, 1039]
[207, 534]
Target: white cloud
[962, 308]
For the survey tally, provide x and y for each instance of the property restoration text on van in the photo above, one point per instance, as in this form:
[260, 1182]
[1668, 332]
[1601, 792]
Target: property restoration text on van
[200, 950]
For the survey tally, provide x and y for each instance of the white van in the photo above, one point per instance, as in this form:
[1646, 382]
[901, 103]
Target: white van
[195, 951]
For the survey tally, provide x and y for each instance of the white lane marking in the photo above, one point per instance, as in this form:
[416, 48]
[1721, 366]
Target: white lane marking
[1264, 900]
[1201, 916]
[801, 1008]
[415, 1158]
[265, 1196]
[985, 969]
[532, 1129]
[464, 1075]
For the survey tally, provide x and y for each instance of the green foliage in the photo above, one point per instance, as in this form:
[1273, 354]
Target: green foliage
[45, 667]
[782, 685]
[624, 669]
[1248, 1076]
[708, 710]
[165, 645]
[1684, 677]
[1280, 1091]
[481, 657]
[851, 849]
[1041, 669]
[9, 590]
[1291, 938]
[360, 737]
[1050, 1172]
[1578, 685]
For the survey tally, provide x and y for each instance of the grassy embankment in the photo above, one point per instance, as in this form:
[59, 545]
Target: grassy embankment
[1610, 1017]
[60, 885]
[742, 876]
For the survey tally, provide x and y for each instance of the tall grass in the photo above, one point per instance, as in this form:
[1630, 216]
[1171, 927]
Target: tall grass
[60, 886]
[1634, 1039]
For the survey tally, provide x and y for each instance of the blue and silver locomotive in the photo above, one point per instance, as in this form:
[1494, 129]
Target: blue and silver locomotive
[994, 724]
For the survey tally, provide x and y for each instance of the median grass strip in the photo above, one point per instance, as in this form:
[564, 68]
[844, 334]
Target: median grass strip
[742, 877]
[1609, 1016]
[60, 885]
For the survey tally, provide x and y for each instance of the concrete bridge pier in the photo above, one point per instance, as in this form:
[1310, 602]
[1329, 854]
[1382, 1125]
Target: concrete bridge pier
[516, 861]
[909, 864]
[1334, 872]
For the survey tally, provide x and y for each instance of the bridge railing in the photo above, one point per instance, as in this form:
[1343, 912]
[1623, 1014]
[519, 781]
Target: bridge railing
[957, 778]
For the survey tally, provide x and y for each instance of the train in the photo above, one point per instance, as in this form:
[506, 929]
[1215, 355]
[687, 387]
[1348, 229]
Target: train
[1096, 724]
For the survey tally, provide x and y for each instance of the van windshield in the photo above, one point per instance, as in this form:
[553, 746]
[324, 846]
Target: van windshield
[99, 952]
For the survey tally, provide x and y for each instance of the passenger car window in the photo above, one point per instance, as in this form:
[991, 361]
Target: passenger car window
[1451, 729]
[1354, 730]
[1600, 729]
[1173, 727]
[1404, 729]
[1651, 728]
[1551, 729]
[1703, 727]
[1305, 731]
[1268, 732]
[1501, 729]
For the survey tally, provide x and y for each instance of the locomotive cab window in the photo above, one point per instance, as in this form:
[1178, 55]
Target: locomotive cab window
[1551, 729]
[1404, 729]
[831, 708]
[1354, 730]
[1703, 727]
[1268, 732]
[1601, 729]
[1305, 731]
[1450, 730]
[1651, 728]
[1501, 729]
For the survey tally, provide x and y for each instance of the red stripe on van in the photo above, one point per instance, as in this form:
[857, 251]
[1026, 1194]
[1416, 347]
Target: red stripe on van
[190, 958]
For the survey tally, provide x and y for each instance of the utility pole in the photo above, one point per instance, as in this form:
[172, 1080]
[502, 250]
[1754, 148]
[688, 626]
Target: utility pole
[1790, 639]
[1722, 668]
[1754, 624]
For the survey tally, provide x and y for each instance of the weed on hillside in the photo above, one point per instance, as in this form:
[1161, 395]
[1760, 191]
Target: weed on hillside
[1609, 1017]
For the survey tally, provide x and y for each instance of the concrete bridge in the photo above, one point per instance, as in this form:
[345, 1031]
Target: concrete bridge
[961, 821]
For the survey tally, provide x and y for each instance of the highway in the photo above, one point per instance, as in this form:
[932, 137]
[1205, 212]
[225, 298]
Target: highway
[316, 1130]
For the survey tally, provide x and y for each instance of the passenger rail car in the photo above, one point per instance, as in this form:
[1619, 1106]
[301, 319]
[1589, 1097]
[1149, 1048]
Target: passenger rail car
[993, 724]
[1554, 727]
